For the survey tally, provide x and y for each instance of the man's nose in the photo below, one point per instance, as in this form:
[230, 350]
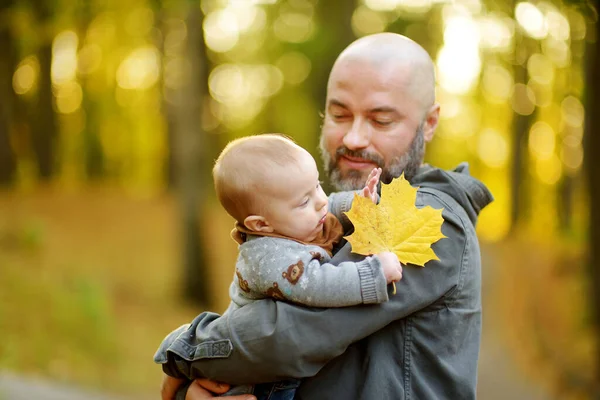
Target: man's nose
[358, 137]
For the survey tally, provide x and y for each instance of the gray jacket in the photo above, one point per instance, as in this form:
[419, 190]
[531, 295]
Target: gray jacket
[422, 344]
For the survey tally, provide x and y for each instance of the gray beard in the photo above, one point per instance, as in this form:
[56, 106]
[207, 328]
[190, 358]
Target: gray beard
[408, 163]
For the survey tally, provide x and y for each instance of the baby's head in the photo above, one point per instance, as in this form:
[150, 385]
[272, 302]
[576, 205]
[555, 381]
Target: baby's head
[270, 184]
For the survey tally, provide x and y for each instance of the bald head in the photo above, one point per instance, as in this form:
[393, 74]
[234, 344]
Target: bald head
[395, 52]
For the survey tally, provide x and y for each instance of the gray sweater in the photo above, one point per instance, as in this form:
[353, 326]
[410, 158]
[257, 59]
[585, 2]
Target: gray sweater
[287, 270]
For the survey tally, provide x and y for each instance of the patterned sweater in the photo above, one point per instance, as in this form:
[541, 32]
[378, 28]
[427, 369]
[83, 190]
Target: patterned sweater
[286, 269]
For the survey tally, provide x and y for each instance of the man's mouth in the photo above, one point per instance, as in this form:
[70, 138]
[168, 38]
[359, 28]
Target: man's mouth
[357, 163]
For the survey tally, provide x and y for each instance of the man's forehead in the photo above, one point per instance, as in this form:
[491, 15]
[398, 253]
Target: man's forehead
[368, 87]
[362, 74]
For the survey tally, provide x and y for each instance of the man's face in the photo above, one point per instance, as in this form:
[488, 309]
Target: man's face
[371, 120]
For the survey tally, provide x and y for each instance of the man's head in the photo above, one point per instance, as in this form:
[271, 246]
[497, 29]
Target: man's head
[270, 184]
[380, 110]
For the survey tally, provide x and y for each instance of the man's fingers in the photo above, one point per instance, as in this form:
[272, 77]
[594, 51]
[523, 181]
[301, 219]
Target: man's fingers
[169, 387]
[197, 392]
[213, 386]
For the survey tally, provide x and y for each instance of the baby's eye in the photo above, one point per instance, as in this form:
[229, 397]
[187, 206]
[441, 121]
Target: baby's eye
[304, 203]
[319, 183]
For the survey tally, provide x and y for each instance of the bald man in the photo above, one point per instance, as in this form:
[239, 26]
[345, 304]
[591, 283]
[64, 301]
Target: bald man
[424, 342]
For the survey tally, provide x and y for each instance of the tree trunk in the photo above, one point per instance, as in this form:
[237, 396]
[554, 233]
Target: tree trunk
[188, 140]
[44, 124]
[520, 160]
[592, 162]
[337, 15]
[94, 155]
[8, 63]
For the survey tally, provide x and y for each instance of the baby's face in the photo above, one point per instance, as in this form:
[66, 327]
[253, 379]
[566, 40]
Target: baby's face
[296, 205]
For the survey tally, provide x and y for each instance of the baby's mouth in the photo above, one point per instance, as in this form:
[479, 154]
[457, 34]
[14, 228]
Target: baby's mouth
[322, 220]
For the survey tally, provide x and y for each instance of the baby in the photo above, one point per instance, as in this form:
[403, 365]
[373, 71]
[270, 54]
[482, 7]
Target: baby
[286, 232]
[287, 228]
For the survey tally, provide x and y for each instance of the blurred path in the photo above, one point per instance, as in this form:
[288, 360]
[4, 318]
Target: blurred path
[499, 375]
[14, 387]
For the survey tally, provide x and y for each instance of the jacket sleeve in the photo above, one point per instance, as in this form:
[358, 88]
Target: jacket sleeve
[294, 273]
[339, 204]
[272, 340]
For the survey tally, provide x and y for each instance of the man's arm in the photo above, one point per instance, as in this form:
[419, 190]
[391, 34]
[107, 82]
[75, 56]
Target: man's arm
[271, 340]
[339, 204]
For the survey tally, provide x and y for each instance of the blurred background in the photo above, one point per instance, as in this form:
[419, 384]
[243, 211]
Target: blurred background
[112, 112]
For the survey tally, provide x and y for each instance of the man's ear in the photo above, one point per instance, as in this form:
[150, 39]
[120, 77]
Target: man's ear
[431, 121]
[258, 223]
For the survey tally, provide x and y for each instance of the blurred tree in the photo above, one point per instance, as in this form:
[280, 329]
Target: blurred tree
[520, 160]
[592, 160]
[184, 109]
[94, 156]
[522, 122]
[44, 124]
[329, 43]
[8, 63]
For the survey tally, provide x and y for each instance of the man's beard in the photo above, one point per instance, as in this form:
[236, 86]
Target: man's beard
[408, 163]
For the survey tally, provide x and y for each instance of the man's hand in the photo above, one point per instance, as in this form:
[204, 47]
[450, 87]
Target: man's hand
[370, 189]
[169, 387]
[202, 389]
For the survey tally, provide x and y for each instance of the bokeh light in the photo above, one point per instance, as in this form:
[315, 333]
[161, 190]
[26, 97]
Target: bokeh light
[497, 83]
[549, 170]
[558, 25]
[221, 30]
[68, 97]
[26, 75]
[492, 148]
[64, 57]
[542, 141]
[540, 69]
[140, 69]
[497, 32]
[414, 6]
[532, 20]
[572, 111]
[523, 99]
[293, 27]
[461, 42]
[295, 67]
[382, 5]
[366, 21]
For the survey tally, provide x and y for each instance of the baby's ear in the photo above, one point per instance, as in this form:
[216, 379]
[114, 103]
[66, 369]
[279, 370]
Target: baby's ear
[258, 223]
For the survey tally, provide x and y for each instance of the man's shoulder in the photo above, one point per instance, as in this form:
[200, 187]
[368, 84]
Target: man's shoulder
[439, 200]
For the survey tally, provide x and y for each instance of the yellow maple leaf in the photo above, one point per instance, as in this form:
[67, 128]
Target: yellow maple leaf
[395, 224]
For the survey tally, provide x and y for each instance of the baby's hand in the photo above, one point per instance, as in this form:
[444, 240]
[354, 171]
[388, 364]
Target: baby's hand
[370, 189]
[391, 266]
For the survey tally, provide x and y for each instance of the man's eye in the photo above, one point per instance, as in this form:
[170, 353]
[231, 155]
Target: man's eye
[338, 117]
[381, 122]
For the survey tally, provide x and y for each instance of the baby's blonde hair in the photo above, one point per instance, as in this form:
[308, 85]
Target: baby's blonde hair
[248, 163]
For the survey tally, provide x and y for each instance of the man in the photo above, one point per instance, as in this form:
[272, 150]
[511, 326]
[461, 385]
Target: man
[424, 342]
